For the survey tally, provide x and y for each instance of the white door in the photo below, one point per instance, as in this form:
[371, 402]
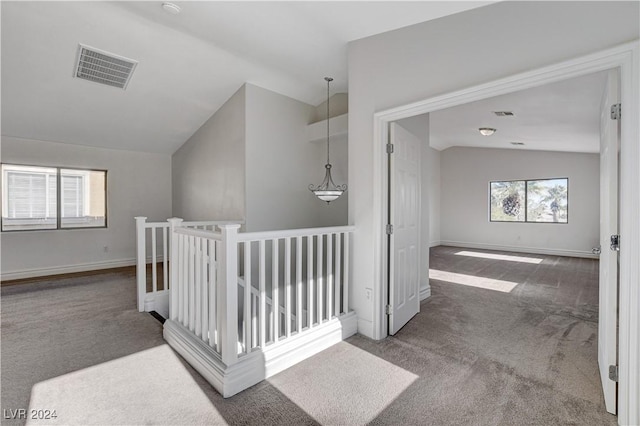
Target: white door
[608, 309]
[404, 216]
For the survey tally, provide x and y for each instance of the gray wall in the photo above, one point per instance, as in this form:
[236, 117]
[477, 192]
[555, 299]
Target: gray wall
[448, 54]
[466, 173]
[433, 171]
[208, 171]
[338, 105]
[281, 163]
[138, 184]
[251, 161]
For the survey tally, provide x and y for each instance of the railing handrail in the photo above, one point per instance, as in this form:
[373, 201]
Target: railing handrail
[202, 233]
[193, 223]
[289, 233]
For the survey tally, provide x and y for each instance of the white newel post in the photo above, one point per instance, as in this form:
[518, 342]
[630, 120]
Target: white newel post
[227, 303]
[174, 223]
[141, 264]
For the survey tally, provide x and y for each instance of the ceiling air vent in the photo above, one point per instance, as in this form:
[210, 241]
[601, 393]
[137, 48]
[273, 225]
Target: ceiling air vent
[517, 143]
[504, 113]
[104, 67]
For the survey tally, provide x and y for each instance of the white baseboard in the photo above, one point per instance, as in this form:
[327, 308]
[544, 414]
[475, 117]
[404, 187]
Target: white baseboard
[435, 243]
[522, 249]
[425, 293]
[158, 301]
[259, 365]
[67, 269]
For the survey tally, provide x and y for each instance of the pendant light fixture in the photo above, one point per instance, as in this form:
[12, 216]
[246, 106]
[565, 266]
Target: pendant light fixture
[328, 190]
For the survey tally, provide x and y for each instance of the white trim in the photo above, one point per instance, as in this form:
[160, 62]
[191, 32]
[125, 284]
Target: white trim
[259, 365]
[291, 233]
[435, 243]
[624, 57]
[158, 301]
[67, 269]
[365, 327]
[521, 249]
[425, 293]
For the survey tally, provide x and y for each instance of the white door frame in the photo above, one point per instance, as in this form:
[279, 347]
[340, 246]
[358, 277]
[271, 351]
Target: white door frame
[624, 57]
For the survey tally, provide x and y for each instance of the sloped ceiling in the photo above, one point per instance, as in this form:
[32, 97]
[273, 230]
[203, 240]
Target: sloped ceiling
[189, 64]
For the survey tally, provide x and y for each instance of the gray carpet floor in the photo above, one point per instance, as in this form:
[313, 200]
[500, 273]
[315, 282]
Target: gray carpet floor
[471, 356]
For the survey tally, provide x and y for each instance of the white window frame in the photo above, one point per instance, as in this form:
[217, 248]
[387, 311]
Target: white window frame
[59, 173]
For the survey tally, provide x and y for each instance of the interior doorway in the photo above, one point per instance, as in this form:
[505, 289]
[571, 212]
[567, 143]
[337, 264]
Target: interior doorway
[553, 74]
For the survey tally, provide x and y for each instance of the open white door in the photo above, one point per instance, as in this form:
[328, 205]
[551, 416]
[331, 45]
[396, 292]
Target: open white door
[404, 238]
[608, 309]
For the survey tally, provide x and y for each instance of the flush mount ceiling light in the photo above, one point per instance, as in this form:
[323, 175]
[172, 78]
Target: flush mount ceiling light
[171, 8]
[486, 131]
[327, 190]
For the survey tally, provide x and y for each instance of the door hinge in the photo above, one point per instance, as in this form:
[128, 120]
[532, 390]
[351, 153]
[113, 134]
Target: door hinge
[616, 111]
[389, 148]
[389, 229]
[387, 309]
[615, 242]
[613, 373]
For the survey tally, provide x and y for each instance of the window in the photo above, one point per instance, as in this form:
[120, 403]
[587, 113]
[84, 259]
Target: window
[535, 201]
[36, 197]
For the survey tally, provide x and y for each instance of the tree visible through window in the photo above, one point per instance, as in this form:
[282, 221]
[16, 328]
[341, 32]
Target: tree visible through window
[36, 197]
[539, 201]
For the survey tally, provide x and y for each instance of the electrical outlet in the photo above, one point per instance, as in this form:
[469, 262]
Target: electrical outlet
[367, 292]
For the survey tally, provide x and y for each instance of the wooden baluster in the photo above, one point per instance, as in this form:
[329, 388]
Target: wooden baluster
[319, 279]
[192, 278]
[248, 319]
[213, 288]
[299, 284]
[330, 303]
[204, 300]
[310, 281]
[185, 280]
[345, 277]
[165, 256]
[263, 295]
[287, 287]
[197, 286]
[337, 273]
[275, 289]
[154, 260]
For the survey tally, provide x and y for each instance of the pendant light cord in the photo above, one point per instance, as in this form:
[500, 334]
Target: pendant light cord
[328, 81]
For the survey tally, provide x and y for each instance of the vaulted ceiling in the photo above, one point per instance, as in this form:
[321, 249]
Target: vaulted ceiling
[188, 64]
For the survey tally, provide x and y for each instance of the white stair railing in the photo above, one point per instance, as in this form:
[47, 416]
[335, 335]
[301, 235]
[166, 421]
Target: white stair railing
[243, 292]
[152, 269]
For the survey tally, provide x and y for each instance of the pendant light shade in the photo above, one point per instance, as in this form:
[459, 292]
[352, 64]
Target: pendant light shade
[328, 190]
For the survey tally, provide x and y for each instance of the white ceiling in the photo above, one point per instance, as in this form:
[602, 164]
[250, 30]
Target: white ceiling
[189, 64]
[563, 116]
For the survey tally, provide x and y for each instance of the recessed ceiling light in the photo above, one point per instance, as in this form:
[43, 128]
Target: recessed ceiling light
[171, 8]
[517, 143]
[486, 131]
